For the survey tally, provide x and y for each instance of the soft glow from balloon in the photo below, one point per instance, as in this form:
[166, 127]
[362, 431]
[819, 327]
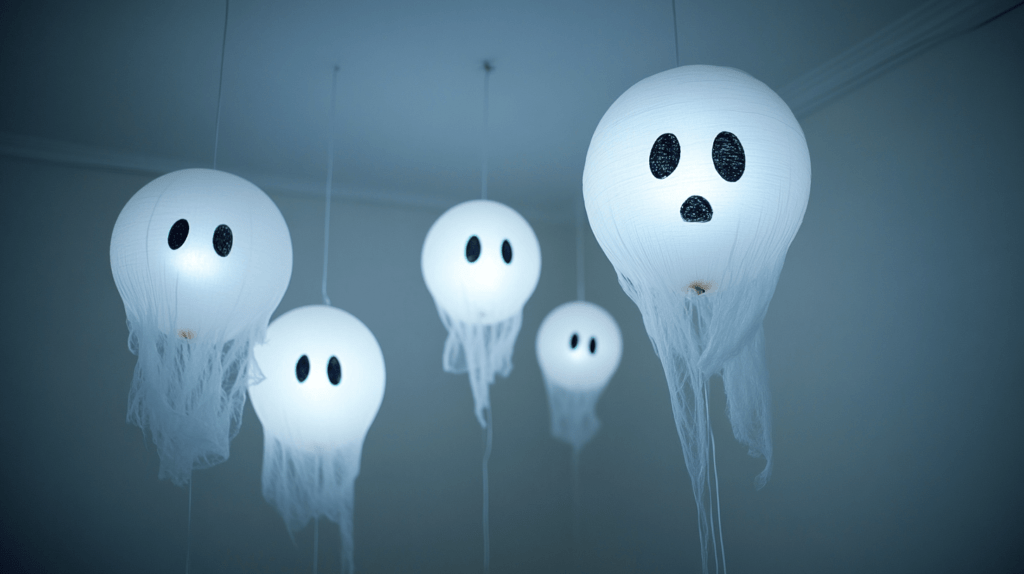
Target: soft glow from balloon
[193, 287]
[636, 216]
[201, 258]
[695, 184]
[481, 262]
[564, 343]
[324, 385]
[487, 289]
[579, 347]
[315, 412]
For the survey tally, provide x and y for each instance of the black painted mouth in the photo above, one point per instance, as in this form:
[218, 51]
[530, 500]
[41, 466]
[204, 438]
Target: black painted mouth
[696, 209]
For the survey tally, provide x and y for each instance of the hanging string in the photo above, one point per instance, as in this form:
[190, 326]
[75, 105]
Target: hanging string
[675, 31]
[487, 98]
[581, 290]
[714, 463]
[220, 83]
[488, 437]
[488, 431]
[316, 541]
[330, 177]
[718, 501]
[576, 538]
[188, 535]
[216, 146]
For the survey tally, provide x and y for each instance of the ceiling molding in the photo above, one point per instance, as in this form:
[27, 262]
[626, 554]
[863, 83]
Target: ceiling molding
[74, 155]
[929, 24]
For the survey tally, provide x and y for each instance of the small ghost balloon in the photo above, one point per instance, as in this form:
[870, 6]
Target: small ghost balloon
[481, 263]
[201, 258]
[324, 385]
[695, 183]
[579, 347]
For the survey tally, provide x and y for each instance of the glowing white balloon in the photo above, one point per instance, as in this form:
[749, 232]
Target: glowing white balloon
[481, 262]
[696, 182]
[324, 383]
[201, 258]
[204, 252]
[579, 347]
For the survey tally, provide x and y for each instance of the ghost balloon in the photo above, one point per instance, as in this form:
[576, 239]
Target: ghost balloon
[201, 258]
[695, 184]
[579, 346]
[481, 262]
[324, 382]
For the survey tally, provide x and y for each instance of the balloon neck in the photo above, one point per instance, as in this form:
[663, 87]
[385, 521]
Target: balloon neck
[699, 287]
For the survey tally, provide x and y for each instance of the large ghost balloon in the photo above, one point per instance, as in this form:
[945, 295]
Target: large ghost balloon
[324, 384]
[481, 262]
[696, 182]
[579, 346]
[201, 258]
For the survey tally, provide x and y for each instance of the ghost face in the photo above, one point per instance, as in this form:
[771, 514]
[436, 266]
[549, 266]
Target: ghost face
[324, 378]
[205, 251]
[481, 262]
[579, 346]
[697, 178]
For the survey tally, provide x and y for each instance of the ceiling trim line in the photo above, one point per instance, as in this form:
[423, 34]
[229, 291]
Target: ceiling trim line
[924, 27]
[88, 157]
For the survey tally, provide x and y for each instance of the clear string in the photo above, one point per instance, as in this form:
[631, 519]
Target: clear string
[581, 289]
[220, 83]
[188, 535]
[577, 542]
[487, 103]
[330, 177]
[316, 542]
[675, 31]
[488, 437]
[717, 500]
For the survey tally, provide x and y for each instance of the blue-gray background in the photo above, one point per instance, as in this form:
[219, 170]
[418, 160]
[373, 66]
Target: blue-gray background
[894, 343]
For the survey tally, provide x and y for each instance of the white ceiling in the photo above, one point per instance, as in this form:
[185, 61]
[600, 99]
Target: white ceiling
[141, 78]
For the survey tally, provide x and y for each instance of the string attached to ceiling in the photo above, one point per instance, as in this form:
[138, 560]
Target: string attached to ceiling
[330, 178]
[717, 545]
[487, 114]
[216, 146]
[575, 460]
[579, 346]
[581, 288]
[488, 427]
[481, 262]
[324, 379]
[220, 82]
[327, 238]
[675, 31]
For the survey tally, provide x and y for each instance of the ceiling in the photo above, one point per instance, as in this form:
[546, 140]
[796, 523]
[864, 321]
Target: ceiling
[141, 79]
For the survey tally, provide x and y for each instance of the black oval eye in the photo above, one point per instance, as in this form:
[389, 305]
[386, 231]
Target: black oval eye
[506, 251]
[727, 153]
[593, 345]
[222, 240]
[473, 249]
[574, 341]
[664, 156]
[302, 368]
[179, 233]
[334, 370]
